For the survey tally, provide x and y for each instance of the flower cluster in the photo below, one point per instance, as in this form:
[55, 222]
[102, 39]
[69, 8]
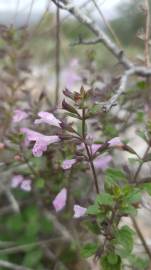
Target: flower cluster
[85, 145]
[21, 182]
[60, 202]
[41, 143]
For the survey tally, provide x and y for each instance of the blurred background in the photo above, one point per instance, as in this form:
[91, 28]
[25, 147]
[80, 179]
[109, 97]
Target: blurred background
[39, 57]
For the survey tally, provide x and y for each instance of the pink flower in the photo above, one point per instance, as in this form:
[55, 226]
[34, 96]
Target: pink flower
[16, 180]
[102, 162]
[20, 181]
[41, 141]
[115, 142]
[79, 211]
[60, 200]
[19, 115]
[48, 118]
[93, 148]
[68, 163]
[26, 185]
[70, 75]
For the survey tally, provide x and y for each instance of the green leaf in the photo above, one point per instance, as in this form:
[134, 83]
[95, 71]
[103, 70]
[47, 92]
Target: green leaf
[89, 250]
[111, 262]
[141, 85]
[93, 210]
[104, 199]
[94, 109]
[140, 117]
[112, 176]
[147, 187]
[112, 258]
[110, 130]
[124, 241]
[138, 263]
[128, 210]
[40, 183]
[33, 258]
[93, 226]
[133, 197]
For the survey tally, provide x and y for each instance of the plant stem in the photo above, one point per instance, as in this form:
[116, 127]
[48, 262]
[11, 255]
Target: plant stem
[147, 32]
[57, 55]
[144, 243]
[141, 164]
[89, 153]
[136, 227]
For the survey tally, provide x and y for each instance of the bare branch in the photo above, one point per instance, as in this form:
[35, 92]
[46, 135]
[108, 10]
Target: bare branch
[147, 33]
[111, 46]
[8, 265]
[26, 247]
[57, 55]
[139, 71]
[143, 240]
[107, 24]
[86, 42]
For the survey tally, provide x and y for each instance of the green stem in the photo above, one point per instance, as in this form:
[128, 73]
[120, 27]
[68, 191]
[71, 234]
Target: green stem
[89, 153]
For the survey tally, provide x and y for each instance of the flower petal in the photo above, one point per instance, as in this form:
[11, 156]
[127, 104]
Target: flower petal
[60, 200]
[68, 163]
[31, 135]
[26, 185]
[39, 148]
[79, 211]
[48, 118]
[115, 142]
[94, 148]
[16, 180]
[102, 162]
[19, 115]
[41, 141]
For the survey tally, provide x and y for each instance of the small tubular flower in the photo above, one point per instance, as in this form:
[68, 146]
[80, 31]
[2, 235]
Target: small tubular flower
[48, 118]
[115, 142]
[19, 115]
[21, 182]
[68, 163]
[102, 162]
[41, 141]
[60, 200]
[70, 75]
[79, 211]
[26, 185]
[16, 180]
[93, 148]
